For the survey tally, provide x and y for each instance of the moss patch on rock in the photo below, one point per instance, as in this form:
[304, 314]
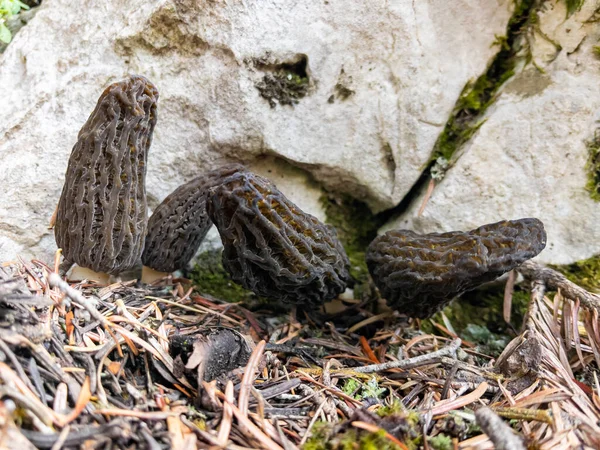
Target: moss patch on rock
[209, 276]
[585, 273]
[477, 96]
[593, 167]
[284, 83]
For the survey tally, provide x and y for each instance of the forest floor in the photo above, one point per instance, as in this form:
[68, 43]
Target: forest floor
[162, 366]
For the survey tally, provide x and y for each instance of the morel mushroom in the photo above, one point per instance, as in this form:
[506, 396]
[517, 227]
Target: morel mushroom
[102, 213]
[420, 274]
[179, 224]
[274, 248]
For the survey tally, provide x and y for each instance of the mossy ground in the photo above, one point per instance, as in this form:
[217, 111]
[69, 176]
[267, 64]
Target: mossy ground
[585, 273]
[356, 226]
[351, 439]
[285, 84]
[477, 317]
[209, 276]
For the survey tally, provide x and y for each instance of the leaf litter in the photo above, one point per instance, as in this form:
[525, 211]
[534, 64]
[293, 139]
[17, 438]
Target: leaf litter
[162, 366]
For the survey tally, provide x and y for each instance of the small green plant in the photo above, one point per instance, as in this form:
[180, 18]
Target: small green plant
[573, 6]
[8, 9]
[441, 442]
[371, 389]
[351, 387]
[360, 391]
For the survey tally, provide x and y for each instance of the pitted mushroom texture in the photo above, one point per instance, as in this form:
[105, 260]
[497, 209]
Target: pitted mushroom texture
[102, 213]
[179, 224]
[420, 274]
[274, 248]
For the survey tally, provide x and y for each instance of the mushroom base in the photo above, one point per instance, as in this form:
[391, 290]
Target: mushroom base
[150, 275]
[78, 273]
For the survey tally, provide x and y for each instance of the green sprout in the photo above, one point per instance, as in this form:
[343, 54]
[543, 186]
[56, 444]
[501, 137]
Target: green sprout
[8, 9]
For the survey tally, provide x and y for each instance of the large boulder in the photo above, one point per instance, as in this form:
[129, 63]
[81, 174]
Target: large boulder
[529, 157]
[355, 93]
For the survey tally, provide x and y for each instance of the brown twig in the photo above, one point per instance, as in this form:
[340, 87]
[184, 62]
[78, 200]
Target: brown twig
[555, 280]
[420, 360]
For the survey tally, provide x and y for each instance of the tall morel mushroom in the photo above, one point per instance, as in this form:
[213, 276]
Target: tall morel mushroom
[180, 223]
[420, 274]
[274, 248]
[102, 213]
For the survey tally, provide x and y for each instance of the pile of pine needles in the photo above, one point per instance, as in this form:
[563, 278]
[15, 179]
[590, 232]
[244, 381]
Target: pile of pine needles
[88, 366]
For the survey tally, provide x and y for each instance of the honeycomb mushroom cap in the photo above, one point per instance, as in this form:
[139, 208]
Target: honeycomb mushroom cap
[274, 248]
[180, 223]
[102, 212]
[420, 274]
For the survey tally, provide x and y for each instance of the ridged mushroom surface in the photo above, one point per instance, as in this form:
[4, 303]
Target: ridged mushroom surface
[420, 274]
[180, 223]
[102, 213]
[274, 248]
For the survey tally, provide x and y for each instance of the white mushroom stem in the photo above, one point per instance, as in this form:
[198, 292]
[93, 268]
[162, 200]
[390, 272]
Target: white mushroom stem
[150, 275]
[77, 273]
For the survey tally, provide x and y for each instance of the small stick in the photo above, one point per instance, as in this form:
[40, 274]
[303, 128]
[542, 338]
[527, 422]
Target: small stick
[225, 427]
[56, 281]
[430, 188]
[555, 280]
[497, 430]
[312, 423]
[508, 295]
[420, 360]
[445, 406]
[248, 378]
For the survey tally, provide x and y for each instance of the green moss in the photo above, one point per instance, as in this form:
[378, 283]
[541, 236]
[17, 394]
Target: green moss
[441, 442]
[585, 273]
[351, 387]
[597, 50]
[211, 278]
[284, 84]
[477, 96]
[394, 408]
[573, 6]
[487, 342]
[484, 308]
[593, 167]
[323, 438]
[356, 226]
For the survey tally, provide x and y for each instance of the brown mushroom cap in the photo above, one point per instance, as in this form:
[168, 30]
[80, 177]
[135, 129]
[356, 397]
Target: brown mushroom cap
[420, 274]
[272, 247]
[179, 224]
[102, 213]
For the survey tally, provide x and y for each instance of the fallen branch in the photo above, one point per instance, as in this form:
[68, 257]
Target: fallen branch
[555, 280]
[420, 360]
[497, 430]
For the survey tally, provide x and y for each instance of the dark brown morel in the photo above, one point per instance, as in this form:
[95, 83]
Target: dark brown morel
[420, 274]
[102, 213]
[274, 248]
[179, 224]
